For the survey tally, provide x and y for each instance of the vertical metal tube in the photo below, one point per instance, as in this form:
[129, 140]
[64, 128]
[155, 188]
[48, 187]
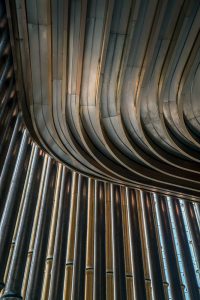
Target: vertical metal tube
[109, 252]
[19, 210]
[71, 239]
[6, 128]
[127, 245]
[7, 141]
[144, 244]
[59, 256]
[4, 100]
[39, 253]
[156, 275]
[118, 250]
[198, 211]
[172, 267]
[7, 221]
[15, 278]
[89, 272]
[78, 280]
[35, 224]
[9, 154]
[99, 243]
[195, 231]
[136, 248]
[185, 251]
[10, 170]
[52, 235]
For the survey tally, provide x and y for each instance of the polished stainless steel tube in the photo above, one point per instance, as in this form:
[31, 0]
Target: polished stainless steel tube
[9, 214]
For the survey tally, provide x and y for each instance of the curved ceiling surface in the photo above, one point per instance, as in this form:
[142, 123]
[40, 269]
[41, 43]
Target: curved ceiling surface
[111, 88]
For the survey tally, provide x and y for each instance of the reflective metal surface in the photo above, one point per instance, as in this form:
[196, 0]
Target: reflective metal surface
[111, 88]
[63, 233]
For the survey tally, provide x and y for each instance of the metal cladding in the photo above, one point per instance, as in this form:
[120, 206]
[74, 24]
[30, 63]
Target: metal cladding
[111, 88]
[65, 235]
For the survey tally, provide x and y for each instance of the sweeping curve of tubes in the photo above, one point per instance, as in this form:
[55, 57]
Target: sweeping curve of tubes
[111, 88]
[67, 236]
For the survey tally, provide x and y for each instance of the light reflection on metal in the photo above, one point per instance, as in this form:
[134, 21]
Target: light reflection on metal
[65, 235]
[112, 88]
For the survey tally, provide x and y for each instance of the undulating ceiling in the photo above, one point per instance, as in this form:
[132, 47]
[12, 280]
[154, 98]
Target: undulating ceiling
[111, 88]
[65, 235]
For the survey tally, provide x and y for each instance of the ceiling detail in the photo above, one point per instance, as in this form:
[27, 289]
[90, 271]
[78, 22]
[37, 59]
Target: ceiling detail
[111, 88]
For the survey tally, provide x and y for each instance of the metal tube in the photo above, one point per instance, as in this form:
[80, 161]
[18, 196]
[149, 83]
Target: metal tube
[185, 251]
[39, 253]
[71, 239]
[10, 169]
[117, 239]
[89, 267]
[156, 275]
[59, 255]
[15, 278]
[136, 248]
[172, 266]
[5, 98]
[99, 243]
[52, 234]
[35, 224]
[78, 280]
[90, 225]
[9, 152]
[6, 127]
[7, 221]
[195, 231]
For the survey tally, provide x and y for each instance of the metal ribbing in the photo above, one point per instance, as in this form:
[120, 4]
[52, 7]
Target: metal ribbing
[172, 266]
[34, 227]
[7, 127]
[5, 100]
[185, 251]
[117, 239]
[59, 255]
[89, 268]
[127, 246]
[39, 253]
[10, 169]
[194, 229]
[109, 252]
[52, 235]
[90, 236]
[17, 268]
[79, 237]
[8, 157]
[71, 239]
[155, 272]
[66, 236]
[99, 243]
[136, 248]
[80, 240]
[11, 206]
[145, 252]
